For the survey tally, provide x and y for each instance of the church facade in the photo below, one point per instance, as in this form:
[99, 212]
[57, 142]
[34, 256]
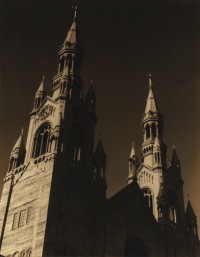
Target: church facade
[54, 200]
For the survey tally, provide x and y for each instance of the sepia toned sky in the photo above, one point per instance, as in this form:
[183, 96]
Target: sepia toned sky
[122, 41]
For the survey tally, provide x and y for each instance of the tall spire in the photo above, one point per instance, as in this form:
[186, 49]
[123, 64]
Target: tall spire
[151, 105]
[71, 38]
[67, 82]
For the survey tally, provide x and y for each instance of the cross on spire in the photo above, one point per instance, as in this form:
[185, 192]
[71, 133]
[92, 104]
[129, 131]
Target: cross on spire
[75, 8]
[150, 79]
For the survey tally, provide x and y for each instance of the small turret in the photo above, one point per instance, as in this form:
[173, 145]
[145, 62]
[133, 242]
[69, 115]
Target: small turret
[175, 160]
[17, 154]
[90, 99]
[100, 160]
[191, 221]
[133, 164]
[175, 163]
[40, 95]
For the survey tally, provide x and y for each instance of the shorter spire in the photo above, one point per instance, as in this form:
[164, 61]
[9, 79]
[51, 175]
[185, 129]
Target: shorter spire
[41, 89]
[175, 159]
[132, 155]
[133, 164]
[19, 144]
[90, 99]
[190, 214]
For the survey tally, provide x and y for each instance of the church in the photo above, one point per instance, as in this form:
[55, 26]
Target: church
[54, 200]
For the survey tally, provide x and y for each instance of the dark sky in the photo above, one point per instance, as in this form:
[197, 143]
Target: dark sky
[122, 41]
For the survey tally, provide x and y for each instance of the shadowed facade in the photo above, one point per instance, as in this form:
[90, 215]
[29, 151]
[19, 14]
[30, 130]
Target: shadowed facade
[54, 196]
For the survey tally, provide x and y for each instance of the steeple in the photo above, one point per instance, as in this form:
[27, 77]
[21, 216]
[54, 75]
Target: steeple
[90, 99]
[152, 125]
[39, 95]
[151, 105]
[67, 83]
[71, 38]
[17, 153]
[100, 160]
[133, 164]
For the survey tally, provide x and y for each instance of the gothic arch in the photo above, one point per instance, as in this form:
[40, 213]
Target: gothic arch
[147, 131]
[41, 140]
[76, 142]
[173, 205]
[29, 252]
[153, 130]
[11, 165]
[135, 247]
[23, 253]
[148, 196]
[16, 254]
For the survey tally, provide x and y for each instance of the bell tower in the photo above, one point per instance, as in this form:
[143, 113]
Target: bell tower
[45, 208]
[150, 171]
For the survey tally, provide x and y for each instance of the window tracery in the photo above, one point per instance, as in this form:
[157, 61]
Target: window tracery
[41, 141]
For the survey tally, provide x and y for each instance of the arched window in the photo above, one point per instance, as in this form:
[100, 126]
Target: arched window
[148, 198]
[147, 130]
[135, 248]
[153, 130]
[75, 144]
[173, 206]
[69, 61]
[23, 254]
[61, 66]
[29, 253]
[172, 214]
[12, 163]
[41, 140]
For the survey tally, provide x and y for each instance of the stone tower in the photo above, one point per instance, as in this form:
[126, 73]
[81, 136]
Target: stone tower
[153, 174]
[150, 171]
[54, 190]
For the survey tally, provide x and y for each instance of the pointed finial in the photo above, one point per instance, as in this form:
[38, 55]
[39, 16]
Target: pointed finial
[174, 147]
[150, 80]
[43, 77]
[22, 132]
[188, 197]
[75, 8]
[91, 82]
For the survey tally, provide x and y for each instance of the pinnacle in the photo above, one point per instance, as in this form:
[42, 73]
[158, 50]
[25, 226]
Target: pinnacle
[19, 144]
